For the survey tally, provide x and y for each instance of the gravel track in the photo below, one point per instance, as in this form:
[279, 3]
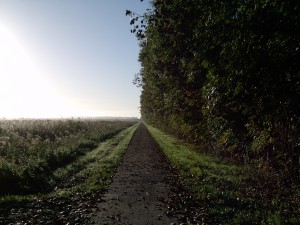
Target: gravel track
[146, 189]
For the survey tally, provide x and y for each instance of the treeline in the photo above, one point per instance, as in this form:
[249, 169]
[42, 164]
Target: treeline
[225, 74]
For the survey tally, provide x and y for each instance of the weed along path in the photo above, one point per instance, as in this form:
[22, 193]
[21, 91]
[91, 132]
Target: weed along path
[141, 192]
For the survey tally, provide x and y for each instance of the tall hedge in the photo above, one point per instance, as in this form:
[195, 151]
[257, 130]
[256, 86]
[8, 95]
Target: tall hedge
[225, 74]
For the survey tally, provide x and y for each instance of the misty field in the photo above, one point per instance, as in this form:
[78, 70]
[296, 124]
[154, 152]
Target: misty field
[33, 151]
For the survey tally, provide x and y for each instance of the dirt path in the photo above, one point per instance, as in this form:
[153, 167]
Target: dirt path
[141, 188]
[146, 190]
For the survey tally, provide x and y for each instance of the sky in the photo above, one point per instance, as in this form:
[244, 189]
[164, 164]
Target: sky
[68, 58]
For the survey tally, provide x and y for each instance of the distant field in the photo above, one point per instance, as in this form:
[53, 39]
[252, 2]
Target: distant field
[32, 150]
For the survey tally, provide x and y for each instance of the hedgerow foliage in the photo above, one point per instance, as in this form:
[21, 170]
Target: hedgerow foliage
[224, 74]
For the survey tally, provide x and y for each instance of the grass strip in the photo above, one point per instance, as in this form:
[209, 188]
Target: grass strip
[94, 170]
[32, 150]
[90, 172]
[231, 193]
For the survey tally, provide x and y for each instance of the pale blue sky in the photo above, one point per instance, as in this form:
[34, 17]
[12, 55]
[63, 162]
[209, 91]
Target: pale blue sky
[68, 58]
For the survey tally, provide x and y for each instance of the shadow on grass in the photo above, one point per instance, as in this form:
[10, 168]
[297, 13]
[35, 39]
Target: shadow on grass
[231, 194]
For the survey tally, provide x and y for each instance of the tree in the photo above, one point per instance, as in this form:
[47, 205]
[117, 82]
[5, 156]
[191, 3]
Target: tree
[224, 73]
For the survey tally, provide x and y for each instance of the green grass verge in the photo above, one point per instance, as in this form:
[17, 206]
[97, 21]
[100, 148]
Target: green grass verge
[96, 168]
[31, 150]
[231, 194]
[88, 173]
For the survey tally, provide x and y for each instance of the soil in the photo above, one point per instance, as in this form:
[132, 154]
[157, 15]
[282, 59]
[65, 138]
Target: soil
[146, 189]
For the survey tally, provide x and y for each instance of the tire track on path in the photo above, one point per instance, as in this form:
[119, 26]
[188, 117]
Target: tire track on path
[140, 189]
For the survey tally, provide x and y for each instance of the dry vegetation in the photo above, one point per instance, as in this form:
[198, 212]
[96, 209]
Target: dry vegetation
[31, 150]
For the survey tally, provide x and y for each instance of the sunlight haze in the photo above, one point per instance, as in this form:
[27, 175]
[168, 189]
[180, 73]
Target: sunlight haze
[67, 59]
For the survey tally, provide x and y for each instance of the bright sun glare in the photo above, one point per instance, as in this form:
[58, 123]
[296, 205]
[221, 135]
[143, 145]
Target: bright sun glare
[24, 89]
